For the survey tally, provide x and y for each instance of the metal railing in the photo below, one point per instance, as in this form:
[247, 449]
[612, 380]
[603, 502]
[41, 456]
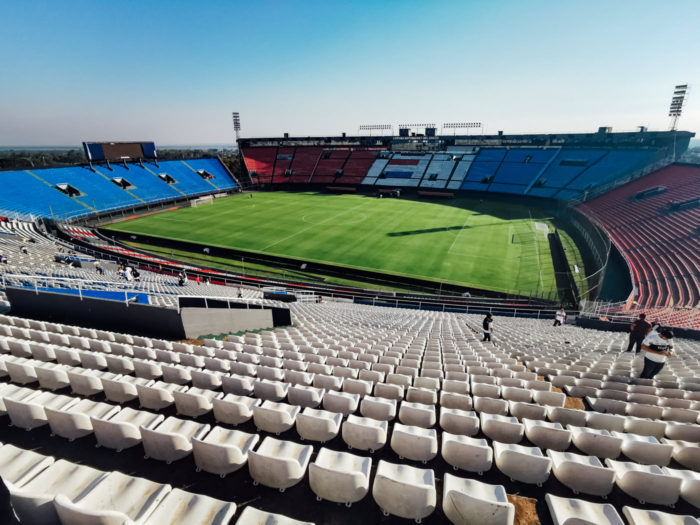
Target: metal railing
[688, 318]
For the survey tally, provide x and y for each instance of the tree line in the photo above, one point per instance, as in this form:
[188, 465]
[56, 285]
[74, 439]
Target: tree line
[25, 159]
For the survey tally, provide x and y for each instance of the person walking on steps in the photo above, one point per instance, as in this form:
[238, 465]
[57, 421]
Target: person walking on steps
[638, 331]
[488, 327]
[657, 346]
[559, 317]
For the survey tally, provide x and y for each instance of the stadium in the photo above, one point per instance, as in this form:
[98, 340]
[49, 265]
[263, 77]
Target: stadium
[425, 323]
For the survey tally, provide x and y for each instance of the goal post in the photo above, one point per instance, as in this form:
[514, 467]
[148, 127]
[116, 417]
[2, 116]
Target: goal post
[207, 199]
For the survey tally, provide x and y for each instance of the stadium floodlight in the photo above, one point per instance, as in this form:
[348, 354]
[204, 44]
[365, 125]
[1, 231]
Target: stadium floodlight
[677, 102]
[409, 126]
[236, 124]
[460, 125]
[376, 127]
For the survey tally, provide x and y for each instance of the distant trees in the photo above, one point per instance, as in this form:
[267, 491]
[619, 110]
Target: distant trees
[35, 158]
[22, 159]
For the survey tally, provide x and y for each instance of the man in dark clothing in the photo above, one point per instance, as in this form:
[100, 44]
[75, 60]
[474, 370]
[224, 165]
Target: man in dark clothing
[638, 331]
[488, 327]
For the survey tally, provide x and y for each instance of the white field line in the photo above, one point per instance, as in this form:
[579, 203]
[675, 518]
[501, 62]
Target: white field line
[449, 250]
[265, 248]
[537, 248]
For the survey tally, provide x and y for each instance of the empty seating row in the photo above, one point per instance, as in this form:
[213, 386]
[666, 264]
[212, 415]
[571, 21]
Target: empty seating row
[48, 491]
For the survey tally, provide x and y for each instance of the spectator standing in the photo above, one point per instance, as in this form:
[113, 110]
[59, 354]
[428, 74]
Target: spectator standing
[657, 346]
[488, 327]
[559, 317]
[638, 331]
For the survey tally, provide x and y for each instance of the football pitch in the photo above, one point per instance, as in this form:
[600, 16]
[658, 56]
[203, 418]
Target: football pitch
[485, 244]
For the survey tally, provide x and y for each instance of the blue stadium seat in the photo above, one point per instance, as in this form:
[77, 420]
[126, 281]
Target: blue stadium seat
[34, 192]
[613, 165]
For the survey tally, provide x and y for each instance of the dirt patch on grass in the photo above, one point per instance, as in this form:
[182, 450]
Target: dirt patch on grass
[525, 511]
[195, 342]
[555, 389]
[540, 378]
[575, 403]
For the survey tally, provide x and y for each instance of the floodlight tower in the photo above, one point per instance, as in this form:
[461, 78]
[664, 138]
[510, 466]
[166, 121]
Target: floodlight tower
[676, 109]
[677, 103]
[236, 124]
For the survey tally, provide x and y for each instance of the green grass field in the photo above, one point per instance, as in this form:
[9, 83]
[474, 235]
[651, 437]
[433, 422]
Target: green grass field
[491, 245]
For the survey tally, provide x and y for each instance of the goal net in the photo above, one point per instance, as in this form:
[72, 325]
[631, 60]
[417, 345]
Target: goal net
[207, 199]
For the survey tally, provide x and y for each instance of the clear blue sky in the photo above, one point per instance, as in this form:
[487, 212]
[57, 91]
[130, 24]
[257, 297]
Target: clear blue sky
[172, 71]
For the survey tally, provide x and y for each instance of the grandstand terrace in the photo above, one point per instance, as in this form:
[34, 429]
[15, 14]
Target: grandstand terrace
[562, 166]
[94, 189]
[658, 239]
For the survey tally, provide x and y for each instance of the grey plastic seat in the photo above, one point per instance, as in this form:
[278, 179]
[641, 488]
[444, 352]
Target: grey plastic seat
[594, 442]
[686, 453]
[550, 436]
[157, 395]
[29, 411]
[459, 421]
[404, 491]
[17, 466]
[222, 451]
[490, 405]
[318, 425]
[74, 421]
[240, 385]
[570, 511]
[415, 443]
[417, 414]
[114, 497]
[233, 409]
[690, 484]
[33, 500]
[253, 516]
[268, 390]
[378, 408]
[502, 428]
[645, 449]
[364, 433]
[184, 508]
[52, 376]
[194, 401]
[644, 517]
[171, 440]
[646, 483]
[683, 431]
[122, 389]
[645, 427]
[584, 474]
[567, 416]
[339, 476]
[523, 410]
[122, 430]
[341, 402]
[463, 452]
[278, 464]
[525, 464]
[470, 501]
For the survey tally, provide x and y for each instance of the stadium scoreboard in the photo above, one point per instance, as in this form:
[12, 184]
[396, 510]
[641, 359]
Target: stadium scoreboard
[119, 151]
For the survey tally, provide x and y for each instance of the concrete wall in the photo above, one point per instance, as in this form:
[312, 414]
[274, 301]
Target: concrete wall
[138, 319]
[201, 321]
[115, 316]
